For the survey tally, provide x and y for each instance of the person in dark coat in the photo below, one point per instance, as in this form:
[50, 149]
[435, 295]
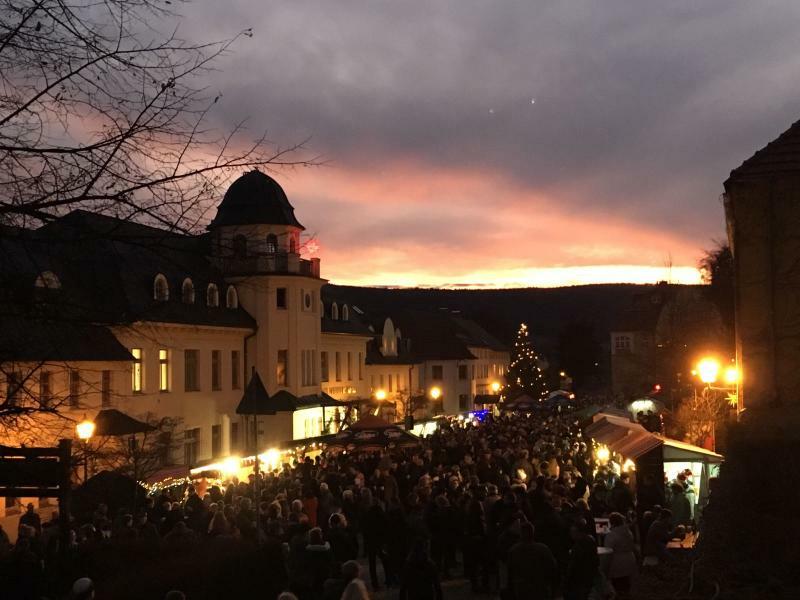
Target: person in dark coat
[583, 563]
[32, 519]
[622, 499]
[532, 568]
[373, 528]
[317, 561]
[420, 578]
[344, 546]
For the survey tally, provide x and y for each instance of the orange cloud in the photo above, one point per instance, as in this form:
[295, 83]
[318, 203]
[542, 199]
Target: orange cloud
[411, 224]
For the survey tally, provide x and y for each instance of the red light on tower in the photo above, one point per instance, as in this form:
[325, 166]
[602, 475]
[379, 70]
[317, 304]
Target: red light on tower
[657, 387]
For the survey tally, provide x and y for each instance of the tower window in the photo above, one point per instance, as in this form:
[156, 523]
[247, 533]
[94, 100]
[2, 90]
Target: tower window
[272, 243]
[293, 245]
[280, 298]
[335, 311]
[345, 313]
[160, 288]
[187, 291]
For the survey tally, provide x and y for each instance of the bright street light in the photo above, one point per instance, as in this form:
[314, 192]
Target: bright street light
[708, 369]
[495, 386]
[731, 375]
[380, 395]
[85, 429]
[436, 392]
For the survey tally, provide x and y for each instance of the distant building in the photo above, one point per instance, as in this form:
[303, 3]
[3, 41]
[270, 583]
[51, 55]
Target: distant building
[656, 340]
[99, 313]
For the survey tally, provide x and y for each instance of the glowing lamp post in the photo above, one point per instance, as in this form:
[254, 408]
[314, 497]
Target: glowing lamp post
[708, 370]
[495, 387]
[731, 376]
[85, 430]
[380, 395]
[435, 393]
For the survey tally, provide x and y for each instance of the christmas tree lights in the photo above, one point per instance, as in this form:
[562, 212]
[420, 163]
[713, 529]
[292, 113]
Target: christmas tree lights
[524, 374]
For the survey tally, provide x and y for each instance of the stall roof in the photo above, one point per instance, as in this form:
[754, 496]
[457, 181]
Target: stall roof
[631, 440]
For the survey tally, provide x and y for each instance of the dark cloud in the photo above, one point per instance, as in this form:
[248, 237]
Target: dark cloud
[631, 109]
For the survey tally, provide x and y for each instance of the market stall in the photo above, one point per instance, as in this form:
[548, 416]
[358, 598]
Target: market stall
[623, 445]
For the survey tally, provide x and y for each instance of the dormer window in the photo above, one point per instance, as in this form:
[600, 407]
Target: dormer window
[239, 246]
[345, 313]
[160, 288]
[187, 291]
[231, 297]
[212, 295]
[272, 243]
[47, 280]
[335, 311]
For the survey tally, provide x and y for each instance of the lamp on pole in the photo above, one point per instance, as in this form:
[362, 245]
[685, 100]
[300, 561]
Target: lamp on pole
[85, 430]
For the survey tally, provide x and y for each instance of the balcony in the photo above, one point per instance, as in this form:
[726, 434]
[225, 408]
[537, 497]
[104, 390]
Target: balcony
[277, 262]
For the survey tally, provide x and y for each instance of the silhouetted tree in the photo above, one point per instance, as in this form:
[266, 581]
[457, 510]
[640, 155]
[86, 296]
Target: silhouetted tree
[716, 268]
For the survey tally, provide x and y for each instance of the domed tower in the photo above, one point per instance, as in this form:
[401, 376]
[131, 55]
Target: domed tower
[256, 243]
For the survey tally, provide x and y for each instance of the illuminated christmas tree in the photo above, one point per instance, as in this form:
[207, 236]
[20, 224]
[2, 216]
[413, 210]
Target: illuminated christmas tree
[524, 374]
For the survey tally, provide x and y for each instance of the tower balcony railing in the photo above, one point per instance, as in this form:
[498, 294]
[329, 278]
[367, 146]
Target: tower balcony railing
[276, 262]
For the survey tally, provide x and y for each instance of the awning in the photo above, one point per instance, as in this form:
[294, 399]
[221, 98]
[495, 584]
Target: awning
[675, 451]
[112, 422]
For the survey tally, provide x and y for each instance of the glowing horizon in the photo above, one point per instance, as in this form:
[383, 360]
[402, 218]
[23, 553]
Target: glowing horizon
[538, 277]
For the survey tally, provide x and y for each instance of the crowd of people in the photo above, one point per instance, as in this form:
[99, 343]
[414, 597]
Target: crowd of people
[508, 503]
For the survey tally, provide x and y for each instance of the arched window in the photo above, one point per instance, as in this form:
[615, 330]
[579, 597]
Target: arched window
[231, 297]
[47, 280]
[345, 313]
[239, 246]
[335, 311]
[272, 243]
[212, 295]
[187, 291]
[293, 245]
[160, 288]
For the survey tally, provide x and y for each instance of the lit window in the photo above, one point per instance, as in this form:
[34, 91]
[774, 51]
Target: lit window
[163, 370]
[281, 367]
[136, 373]
[231, 298]
[160, 288]
[212, 295]
[272, 243]
[187, 291]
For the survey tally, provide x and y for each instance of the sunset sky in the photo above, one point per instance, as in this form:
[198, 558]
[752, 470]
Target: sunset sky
[505, 143]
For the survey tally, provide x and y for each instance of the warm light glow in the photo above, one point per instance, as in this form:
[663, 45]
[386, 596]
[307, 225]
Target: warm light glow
[629, 465]
[495, 386]
[708, 369]
[731, 375]
[521, 475]
[603, 454]
[271, 459]
[85, 429]
[436, 393]
[230, 466]
[380, 394]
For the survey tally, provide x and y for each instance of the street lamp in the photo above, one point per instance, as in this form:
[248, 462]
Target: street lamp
[436, 393]
[708, 370]
[85, 430]
[495, 387]
[731, 375]
[380, 395]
